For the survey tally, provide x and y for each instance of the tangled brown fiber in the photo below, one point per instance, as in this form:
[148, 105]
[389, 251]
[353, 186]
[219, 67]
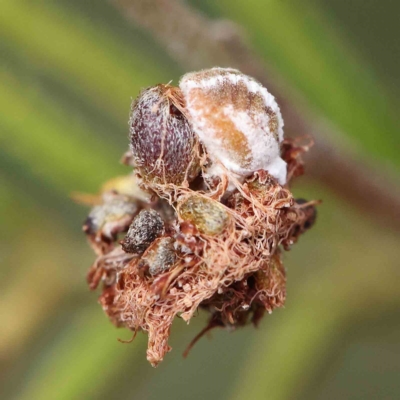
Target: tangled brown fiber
[227, 256]
[206, 214]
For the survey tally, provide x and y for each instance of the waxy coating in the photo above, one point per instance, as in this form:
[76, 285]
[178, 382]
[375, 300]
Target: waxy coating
[237, 120]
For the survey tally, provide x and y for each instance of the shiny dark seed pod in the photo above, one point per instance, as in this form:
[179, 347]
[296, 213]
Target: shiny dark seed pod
[163, 145]
[145, 228]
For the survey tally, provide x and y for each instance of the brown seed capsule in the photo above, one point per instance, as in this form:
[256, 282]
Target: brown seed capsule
[207, 215]
[237, 120]
[145, 228]
[160, 256]
[163, 145]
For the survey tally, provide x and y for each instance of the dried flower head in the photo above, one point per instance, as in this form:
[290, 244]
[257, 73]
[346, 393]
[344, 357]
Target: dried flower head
[212, 229]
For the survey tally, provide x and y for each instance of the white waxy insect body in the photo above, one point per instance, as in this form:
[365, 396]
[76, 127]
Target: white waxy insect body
[237, 120]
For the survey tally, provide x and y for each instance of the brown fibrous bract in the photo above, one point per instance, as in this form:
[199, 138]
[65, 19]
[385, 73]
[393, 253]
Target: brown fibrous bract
[218, 251]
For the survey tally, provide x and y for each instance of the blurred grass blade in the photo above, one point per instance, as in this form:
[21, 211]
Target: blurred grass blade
[80, 363]
[53, 141]
[91, 61]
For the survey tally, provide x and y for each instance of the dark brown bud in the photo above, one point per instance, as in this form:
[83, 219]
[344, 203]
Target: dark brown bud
[145, 228]
[164, 147]
[160, 256]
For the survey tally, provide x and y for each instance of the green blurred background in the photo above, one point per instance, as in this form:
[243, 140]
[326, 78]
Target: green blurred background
[68, 71]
